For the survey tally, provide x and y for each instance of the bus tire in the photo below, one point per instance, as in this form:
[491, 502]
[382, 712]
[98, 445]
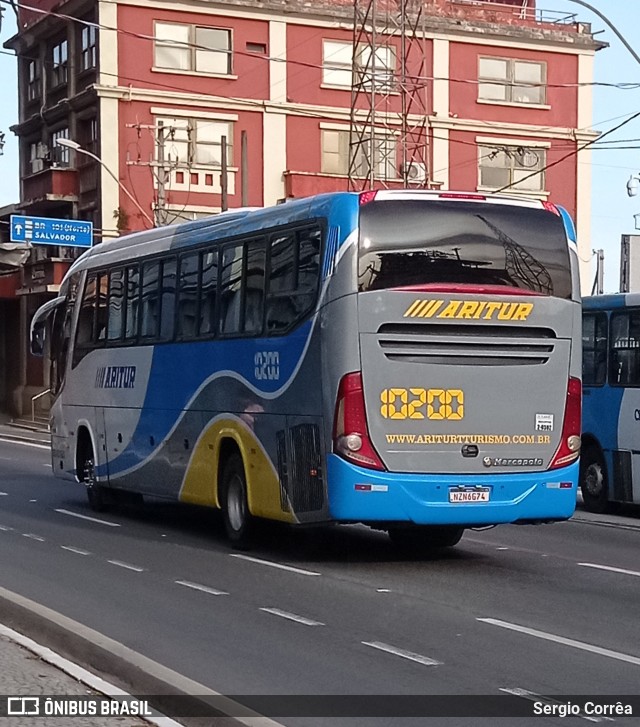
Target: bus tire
[421, 538]
[593, 480]
[96, 494]
[238, 521]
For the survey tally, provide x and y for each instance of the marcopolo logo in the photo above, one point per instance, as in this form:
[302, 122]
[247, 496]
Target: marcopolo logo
[512, 462]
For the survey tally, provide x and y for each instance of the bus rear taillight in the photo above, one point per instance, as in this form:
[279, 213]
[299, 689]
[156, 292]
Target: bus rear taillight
[569, 448]
[350, 431]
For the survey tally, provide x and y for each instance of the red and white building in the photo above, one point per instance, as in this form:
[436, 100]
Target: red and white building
[151, 88]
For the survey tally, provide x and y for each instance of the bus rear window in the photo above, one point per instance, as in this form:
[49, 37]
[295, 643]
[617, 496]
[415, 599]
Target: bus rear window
[407, 243]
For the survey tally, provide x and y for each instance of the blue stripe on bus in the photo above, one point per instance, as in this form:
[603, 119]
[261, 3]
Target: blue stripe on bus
[568, 224]
[178, 371]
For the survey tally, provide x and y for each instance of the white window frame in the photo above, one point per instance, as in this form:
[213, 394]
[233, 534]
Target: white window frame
[385, 155]
[191, 48]
[185, 135]
[337, 65]
[512, 88]
[519, 157]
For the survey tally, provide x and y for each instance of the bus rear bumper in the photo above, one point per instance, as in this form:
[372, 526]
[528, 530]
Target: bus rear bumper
[357, 494]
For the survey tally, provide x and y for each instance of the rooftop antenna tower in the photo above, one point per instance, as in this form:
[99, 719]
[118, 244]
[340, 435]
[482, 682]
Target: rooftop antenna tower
[388, 140]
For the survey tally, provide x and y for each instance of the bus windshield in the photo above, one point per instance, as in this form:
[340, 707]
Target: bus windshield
[407, 243]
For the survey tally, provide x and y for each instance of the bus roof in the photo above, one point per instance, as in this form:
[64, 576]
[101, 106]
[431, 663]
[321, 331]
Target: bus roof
[610, 301]
[249, 220]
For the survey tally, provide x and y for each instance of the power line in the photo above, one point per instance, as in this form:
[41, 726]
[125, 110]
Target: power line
[569, 155]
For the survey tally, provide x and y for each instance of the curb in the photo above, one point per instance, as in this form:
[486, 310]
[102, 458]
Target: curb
[125, 667]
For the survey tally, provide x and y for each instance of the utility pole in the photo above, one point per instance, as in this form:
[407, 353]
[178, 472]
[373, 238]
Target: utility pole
[224, 175]
[161, 207]
[598, 283]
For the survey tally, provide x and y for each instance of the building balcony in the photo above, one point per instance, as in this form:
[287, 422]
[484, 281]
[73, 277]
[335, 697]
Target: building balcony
[55, 184]
[507, 12]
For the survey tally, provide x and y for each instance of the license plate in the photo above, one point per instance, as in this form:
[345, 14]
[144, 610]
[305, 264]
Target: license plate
[469, 494]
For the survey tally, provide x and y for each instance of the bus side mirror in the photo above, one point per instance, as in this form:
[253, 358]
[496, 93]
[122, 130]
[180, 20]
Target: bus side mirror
[38, 333]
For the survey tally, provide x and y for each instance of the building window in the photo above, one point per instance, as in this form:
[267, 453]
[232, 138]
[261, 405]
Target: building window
[335, 155]
[60, 64]
[196, 141]
[517, 167]
[59, 154]
[192, 48]
[88, 41]
[511, 81]
[33, 80]
[337, 65]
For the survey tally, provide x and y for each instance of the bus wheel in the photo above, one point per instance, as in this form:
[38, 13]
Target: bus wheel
[238, 521]
[95, 493]
[425, 537]
[593, 481]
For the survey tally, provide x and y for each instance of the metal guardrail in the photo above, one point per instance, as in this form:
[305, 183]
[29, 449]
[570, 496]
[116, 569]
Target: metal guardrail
[33, 402]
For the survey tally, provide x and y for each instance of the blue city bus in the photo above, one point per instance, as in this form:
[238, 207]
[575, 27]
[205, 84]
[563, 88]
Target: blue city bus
[611, 421]
[404, 359]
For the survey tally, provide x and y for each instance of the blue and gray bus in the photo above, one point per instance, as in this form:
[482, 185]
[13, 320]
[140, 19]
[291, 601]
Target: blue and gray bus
[611, 426]
[405, 359]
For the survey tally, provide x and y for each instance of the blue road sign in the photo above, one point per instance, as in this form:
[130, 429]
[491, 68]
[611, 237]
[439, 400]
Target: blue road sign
[51, 231]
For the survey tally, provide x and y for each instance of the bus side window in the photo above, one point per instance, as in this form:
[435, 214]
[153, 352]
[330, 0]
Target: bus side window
[595, 345]
[84, 335]
[100, 329]
[188, 295]
[115, 317]
[150, 300]
[168, 298]
[208, 291]
[231, 289]
[132, 305]
[281, 286]
[625, 349]
[254, 287]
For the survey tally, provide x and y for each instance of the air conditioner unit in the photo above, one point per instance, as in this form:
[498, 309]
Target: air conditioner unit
[415, 172]
[37, 165]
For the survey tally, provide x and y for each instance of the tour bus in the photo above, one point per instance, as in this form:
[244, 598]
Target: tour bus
[405, 359]
[610, 465]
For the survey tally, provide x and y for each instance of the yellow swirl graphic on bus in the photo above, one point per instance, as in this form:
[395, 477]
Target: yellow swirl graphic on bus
[417, 403]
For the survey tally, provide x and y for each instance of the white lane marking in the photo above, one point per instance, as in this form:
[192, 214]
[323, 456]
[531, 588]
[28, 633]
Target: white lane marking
[128, 566]
[292, 617]
[33, 501]
[86, 517]
[502, 547]
[33, 537]
[612, 569]
[82, 675]
[71, 549]
[4, 494]
[383, 590]
[204, 589]
[5, 528]
[562, 640]
[7, 459]
[10, 440]
[271, 564]
[533, 697]
[403, 653]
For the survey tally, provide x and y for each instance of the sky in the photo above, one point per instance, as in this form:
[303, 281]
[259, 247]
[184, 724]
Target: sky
[612, 210]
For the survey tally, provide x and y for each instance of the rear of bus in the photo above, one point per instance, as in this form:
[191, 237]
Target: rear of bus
[466, 408]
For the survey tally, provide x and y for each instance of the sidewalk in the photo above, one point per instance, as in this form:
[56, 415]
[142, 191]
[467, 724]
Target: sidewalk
[24, 673]
[8, 430]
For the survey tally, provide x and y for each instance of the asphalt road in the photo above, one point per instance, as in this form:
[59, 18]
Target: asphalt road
[535, 610]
